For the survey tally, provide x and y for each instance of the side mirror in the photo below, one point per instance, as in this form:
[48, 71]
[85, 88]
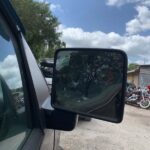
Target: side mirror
[90, 82]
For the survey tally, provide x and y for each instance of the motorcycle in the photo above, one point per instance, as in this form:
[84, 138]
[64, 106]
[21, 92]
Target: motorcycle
[144, 99]
[138, 97]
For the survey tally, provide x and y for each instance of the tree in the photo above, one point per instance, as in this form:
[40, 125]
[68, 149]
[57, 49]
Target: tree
[132, 66]
[88, 73]
[41, 27]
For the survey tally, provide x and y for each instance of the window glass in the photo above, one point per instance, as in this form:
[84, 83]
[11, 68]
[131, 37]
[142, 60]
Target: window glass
[13, 123]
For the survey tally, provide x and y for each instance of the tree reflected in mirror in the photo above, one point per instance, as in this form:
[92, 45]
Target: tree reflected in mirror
[86, 81]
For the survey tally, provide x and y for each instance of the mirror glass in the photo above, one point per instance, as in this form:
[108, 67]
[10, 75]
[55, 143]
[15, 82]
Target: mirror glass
[86, 81]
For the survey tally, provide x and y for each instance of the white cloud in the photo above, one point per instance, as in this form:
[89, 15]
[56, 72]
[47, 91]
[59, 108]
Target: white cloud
[146, 2]
[10, 72]
[136, 46]
[121, 2]
[141, 22]
[54, 7]
[45, 1]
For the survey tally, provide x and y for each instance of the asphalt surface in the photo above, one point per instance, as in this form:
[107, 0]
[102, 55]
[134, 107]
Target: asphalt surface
[132, 134]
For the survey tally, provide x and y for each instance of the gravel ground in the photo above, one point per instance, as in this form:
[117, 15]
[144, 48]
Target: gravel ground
[132, 134]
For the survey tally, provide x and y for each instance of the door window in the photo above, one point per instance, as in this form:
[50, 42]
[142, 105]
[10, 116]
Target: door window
[13, 116]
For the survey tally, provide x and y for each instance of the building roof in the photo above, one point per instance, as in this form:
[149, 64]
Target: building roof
[133, 71]
[138, 68]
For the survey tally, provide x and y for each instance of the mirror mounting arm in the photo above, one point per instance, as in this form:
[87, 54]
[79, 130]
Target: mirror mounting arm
[58, 119]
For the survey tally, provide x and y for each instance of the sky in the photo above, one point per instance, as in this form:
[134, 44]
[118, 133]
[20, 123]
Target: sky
[8, 64]
[121, 24]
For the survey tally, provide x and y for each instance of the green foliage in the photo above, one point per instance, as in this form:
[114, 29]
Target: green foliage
[132, 66]
[41, 27]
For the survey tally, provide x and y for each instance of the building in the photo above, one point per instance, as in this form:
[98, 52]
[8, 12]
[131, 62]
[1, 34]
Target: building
[140, 76]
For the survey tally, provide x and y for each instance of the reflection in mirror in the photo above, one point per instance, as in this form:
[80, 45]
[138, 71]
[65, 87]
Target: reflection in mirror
[86, 81]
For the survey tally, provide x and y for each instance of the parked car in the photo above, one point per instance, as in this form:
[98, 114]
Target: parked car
[46, 65]
[81, 86]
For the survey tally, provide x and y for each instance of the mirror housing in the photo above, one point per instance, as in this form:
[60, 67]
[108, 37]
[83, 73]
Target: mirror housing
[58, 119]
[90, 82]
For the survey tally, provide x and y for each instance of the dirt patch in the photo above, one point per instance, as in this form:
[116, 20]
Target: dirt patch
[132, 134]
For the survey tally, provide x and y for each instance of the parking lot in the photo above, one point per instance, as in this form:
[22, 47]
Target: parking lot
[132, 134]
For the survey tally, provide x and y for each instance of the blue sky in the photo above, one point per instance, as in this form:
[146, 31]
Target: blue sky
[6, 48]
[121, 24]
[93, 15]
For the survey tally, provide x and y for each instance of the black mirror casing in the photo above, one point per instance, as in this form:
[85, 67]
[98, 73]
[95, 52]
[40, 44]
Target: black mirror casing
[60, 120]
[104, 98]
[57, 119]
